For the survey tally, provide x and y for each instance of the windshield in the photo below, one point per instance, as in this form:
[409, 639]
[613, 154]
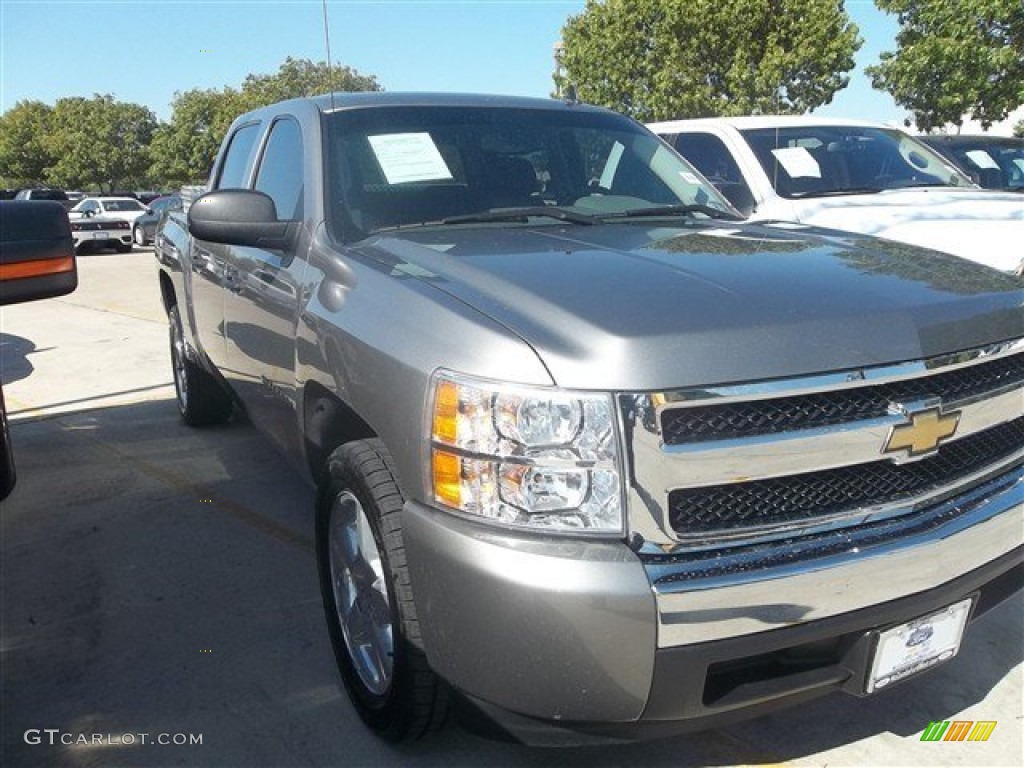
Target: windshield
[406, 166]
[820, 160]
[995, 164]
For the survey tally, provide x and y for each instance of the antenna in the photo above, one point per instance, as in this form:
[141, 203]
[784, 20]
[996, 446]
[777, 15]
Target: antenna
[330, 66]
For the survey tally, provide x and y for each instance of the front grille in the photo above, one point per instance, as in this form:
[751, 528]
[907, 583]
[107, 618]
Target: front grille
[682, 425]
[800, 499]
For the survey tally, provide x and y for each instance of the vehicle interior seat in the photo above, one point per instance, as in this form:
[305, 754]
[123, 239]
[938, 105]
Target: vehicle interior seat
[510, 181]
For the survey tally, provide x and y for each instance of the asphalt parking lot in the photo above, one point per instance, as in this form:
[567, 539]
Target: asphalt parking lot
[159, 580]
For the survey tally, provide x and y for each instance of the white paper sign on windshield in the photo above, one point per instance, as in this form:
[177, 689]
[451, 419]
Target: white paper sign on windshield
[798, 162]
[982, 159]
[406, 157]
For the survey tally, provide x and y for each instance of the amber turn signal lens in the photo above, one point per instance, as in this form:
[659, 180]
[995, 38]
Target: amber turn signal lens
[446, 412]
[447, 473]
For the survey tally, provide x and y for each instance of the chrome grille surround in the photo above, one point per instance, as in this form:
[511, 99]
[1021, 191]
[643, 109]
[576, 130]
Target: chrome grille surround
[657, 469]
[725, 583]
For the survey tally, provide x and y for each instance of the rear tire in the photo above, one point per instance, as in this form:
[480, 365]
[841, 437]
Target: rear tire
[201, 398]
[364, 581]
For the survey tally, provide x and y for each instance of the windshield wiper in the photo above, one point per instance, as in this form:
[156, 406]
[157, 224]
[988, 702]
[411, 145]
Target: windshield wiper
[839, 192]
[520, 214]
[676, 210]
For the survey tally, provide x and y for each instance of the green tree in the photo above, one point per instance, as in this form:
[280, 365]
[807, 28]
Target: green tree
[1018, 130]
[183, 149]
[99, 142]
[954, 60]
[23, 156]
[302, 77]
[661, 59]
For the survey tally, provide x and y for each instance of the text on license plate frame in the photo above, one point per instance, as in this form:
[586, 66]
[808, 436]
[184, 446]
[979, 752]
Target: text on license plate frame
[918, 644]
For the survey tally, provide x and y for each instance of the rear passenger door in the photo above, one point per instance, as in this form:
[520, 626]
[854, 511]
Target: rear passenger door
[262, 292]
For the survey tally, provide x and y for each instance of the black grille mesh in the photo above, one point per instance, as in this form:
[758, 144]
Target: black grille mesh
[788, 414]
[801, 498]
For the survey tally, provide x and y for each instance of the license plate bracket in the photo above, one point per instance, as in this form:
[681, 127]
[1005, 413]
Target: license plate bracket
[916, 645]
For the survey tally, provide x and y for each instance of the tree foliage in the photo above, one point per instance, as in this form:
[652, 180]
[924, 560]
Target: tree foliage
[662, 59]
[954, 59]
[184, 148]
[99, 142]
[24, 157]
[1018, 129]
[302, 77]
[105, 144]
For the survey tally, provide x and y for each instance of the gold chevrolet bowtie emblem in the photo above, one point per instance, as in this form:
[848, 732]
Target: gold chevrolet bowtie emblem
[922, 436]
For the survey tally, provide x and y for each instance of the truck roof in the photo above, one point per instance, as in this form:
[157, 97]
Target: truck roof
[338, 102]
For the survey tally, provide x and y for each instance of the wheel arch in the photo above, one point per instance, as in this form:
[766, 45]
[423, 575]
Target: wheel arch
[167, 293]
[327, 423]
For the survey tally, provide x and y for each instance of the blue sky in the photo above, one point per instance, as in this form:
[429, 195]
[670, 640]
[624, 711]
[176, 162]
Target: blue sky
[144, 50]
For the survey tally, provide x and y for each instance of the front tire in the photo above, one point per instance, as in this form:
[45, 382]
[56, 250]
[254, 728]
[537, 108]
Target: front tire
[139, 236]
[201, 398]
[122, 247]
[367, 597]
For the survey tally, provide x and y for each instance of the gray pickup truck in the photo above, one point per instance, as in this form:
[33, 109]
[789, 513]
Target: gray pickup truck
[596, 460]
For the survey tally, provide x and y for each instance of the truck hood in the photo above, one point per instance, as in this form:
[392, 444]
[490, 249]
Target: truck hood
[985, 226]
[638, 307]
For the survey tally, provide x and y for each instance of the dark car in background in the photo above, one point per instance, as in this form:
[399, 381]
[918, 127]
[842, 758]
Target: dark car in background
[144, 228]
[146, 196]
[45, 193]
[994, 162]
[37, 261]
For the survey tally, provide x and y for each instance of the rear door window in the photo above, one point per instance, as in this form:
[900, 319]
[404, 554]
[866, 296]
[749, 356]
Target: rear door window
[237, 160]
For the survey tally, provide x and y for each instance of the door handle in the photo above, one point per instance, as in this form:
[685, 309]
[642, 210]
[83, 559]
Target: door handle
[232, 281]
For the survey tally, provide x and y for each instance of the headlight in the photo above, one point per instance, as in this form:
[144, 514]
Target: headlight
[525, 456]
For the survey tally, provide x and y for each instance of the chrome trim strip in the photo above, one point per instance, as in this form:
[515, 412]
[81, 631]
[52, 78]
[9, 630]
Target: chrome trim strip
[761, 588]
[790, 453]
[831, 382]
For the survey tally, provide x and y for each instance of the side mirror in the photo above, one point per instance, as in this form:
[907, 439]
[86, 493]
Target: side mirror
[37, 252]
[240, 217]
[149, 210]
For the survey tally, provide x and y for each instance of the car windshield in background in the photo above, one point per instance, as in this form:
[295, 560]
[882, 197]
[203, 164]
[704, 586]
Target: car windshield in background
[994, 163]
[124, 205]
[445, 166]
[823, 160]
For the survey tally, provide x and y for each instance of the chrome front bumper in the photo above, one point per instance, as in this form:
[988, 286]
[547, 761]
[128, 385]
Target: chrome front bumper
[727, 594]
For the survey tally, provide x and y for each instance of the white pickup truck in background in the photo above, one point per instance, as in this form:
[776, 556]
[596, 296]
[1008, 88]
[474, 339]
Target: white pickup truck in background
[852, 175]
